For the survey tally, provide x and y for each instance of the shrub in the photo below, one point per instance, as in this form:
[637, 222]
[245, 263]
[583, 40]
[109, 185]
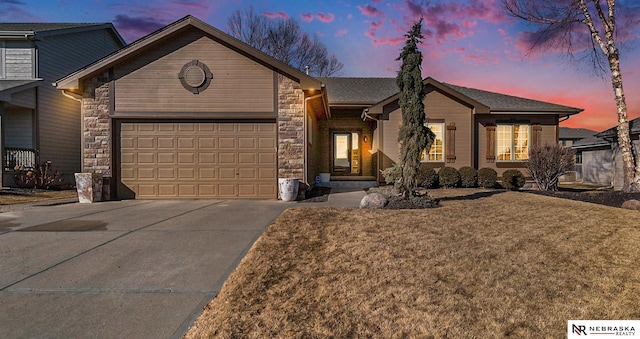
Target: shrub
[393, 175]
[468, 176]
[548, 163]
[513, 179]
[427, 177]
[487, 177]
[448, 177]
[43, 177]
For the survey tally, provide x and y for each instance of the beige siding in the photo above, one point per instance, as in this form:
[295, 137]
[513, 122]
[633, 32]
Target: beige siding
[59, 116]
[441, 108]
[438, 108]
[239, 84]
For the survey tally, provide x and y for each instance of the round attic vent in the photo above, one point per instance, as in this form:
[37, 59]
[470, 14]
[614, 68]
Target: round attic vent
[195, 76]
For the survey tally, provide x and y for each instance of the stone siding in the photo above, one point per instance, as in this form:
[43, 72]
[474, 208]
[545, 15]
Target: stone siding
[96, 127]
[290, 129]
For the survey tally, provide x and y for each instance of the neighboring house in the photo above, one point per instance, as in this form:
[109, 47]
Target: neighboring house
[601, 158]
[569, 136]
[38, 123]
[189, 112]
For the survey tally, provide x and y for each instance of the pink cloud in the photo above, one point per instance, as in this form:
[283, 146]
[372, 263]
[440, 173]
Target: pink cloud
[377, 2]
[276, 15]
[350, 16]
[369, 10]
[388, 41]
[325, 17]
[373, 28]
[307, 17]
[502, 32]
[341, 32]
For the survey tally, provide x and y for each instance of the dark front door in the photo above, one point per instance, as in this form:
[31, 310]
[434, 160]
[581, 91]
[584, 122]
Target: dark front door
[346, 156]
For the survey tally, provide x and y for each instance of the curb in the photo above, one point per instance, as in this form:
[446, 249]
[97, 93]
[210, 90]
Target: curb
[28, 205]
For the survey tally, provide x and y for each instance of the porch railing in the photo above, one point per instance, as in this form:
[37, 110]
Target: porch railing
[21, 158]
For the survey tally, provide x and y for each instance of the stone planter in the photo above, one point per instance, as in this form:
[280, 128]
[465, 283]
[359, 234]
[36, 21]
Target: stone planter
[89, 186]
[325, 178]
[288, 189]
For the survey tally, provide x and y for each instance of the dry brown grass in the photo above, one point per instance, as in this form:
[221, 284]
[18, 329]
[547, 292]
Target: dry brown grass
[10, 197]
[482, 265]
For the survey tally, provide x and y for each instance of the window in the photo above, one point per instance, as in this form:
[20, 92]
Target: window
[512, 142]
[436, 152]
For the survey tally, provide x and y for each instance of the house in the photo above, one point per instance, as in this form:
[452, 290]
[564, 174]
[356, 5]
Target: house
[567, 137]
[38, 123]
[601, 158]
[190, 112]
[473, 127]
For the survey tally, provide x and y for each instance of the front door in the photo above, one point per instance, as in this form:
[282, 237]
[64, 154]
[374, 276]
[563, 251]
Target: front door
[346, 153]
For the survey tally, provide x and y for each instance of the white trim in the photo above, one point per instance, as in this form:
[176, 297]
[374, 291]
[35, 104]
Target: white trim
[3, 61]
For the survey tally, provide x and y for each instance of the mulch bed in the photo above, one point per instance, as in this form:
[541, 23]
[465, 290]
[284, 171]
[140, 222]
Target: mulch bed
[317, 194]
[601, 197]
[608, 198]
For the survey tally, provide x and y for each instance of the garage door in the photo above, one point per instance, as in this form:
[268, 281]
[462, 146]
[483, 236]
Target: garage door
[198, 160]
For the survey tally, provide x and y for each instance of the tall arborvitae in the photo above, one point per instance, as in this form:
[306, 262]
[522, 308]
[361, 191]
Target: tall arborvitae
[414, 136]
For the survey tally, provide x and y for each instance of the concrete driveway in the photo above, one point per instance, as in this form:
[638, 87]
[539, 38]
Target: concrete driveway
[134, 269]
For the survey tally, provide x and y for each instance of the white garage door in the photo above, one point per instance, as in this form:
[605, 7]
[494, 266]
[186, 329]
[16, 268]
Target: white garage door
[198, 160]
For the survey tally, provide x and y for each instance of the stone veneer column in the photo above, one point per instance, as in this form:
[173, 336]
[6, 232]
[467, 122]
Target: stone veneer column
[96, 126]
[290, 129]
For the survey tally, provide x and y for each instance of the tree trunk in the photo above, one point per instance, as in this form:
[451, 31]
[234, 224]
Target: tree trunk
[630, 174]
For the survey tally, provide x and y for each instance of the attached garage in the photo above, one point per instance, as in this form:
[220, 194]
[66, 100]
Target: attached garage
[198, 160]
[189, 112]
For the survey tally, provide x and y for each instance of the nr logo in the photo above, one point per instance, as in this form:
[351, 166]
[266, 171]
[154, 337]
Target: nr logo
[579, 329]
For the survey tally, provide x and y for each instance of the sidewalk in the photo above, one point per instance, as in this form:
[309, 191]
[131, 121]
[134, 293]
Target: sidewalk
[345, 198]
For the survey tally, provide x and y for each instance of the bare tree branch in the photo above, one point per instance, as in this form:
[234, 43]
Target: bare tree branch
[285, 41]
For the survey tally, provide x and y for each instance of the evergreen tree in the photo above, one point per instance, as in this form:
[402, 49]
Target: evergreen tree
[414, 136]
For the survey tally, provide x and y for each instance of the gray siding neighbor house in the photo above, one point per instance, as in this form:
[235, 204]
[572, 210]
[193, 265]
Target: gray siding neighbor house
[601, 158]
[37, 122]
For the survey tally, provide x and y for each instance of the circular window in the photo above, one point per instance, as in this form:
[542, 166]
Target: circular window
[195, 76]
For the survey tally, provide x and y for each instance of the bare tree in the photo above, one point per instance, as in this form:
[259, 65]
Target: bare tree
[284, 40]
[586, 28]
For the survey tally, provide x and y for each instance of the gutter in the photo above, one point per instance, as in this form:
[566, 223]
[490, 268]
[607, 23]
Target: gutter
[305, 176]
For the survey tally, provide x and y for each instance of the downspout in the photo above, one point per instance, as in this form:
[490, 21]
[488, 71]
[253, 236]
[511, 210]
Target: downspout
[305, 178]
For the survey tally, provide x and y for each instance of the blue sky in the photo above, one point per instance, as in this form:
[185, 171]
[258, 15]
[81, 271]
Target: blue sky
[467, 42]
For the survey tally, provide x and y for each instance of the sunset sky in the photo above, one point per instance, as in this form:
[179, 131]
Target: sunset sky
[467, 43]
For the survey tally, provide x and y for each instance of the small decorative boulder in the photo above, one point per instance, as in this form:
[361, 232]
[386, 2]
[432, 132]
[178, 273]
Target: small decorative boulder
[632, 205]
[374, 200]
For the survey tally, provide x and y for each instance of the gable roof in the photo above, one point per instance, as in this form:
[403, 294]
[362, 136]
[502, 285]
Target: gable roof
[22, 30]
[509, 103]
[73, 80]
[575, 133]
[608, 136]
[350, 91]
[634, 128]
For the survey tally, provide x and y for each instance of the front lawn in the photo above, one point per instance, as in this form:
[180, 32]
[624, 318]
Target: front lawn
[485, 264]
